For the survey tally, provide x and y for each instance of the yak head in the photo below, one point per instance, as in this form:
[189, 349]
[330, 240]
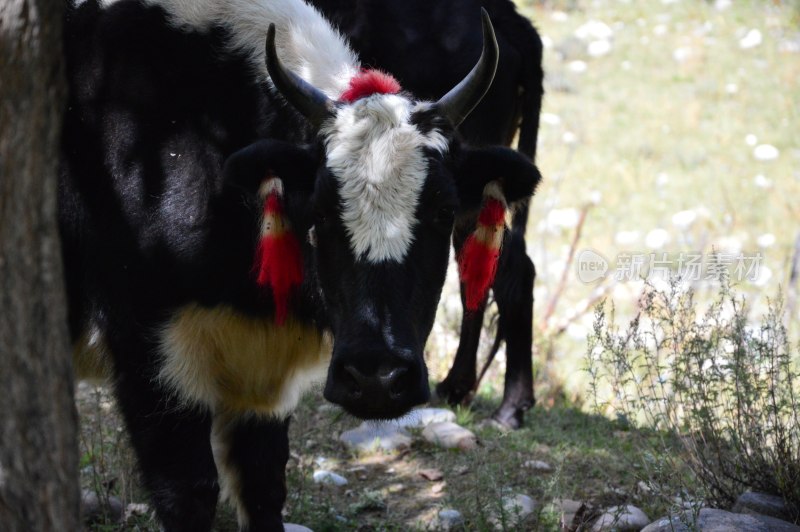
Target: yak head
[384, 181]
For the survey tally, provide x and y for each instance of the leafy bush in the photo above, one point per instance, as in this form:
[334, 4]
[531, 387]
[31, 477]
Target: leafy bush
[726, 390]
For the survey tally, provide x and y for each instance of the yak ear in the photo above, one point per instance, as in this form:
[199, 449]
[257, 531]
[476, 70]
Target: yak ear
[272, 172]
[250, 167]
[516, 175]
[489, 179]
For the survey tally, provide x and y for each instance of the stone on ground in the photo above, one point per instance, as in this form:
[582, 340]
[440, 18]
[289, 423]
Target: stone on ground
[516, 508]
[373, 435]
[323, 476]
[422, 417]
[96, 509]
[136, 509]
[289, 527]
[449, 519]
[570, 513]
[751, 502]
[539, 466]
[627, 518]
[712, 520]
[431, 474]
[450, 436]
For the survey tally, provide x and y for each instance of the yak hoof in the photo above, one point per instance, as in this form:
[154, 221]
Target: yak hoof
[453, 395]
[509, 418]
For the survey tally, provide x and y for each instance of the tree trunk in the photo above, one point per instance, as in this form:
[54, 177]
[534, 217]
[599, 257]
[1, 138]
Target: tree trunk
[38, 442]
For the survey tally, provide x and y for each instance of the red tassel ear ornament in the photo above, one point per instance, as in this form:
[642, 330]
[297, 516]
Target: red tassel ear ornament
[278, 262]
[477, 261]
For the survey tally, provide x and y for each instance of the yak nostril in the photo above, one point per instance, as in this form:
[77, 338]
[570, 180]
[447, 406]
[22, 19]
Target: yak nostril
[351, 380]
[397, 382]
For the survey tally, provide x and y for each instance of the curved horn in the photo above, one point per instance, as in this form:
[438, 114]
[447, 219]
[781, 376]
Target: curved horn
[462, 99]
[308, 100]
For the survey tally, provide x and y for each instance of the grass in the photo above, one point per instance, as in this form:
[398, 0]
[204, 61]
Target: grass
[577, 445]
[641, 136]
[587, 452]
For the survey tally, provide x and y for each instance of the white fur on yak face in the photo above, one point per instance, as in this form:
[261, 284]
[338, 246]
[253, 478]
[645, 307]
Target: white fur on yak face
[377, 156]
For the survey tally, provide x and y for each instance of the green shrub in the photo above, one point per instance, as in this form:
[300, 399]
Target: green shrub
[725, 390]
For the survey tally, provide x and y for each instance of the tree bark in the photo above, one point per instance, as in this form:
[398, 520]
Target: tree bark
[38, 442]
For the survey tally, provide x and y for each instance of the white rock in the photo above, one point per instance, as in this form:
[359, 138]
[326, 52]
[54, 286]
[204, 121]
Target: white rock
[682, 54]
[550, 119]
[422, 417]
[569, 137]
[449, 519]
[659, 29]
[722, 5]
[624, 519]
[538, 465]
[450, 436]
[136, 509]
[515, 509]
[662, 179]
[761, 181]
[626, 238]
[657, 238]
[594, 30]
[751, 40]
[327, 407]
[728, 245]
[563, 218]
[372, 436]
[718, 520]
[559, 16]
[751, 502]
[323, 476]
[577, 66]
[95, 508]
[577, 331]
[750, 139]
[567, 510]
[289, 527]
[766, 240]
[762, 275]
[683, 219]
[598, 48]
[731, 88]
[766, 152]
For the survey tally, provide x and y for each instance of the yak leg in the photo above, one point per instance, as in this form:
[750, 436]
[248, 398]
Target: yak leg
[251, 454]
[172, 444]
[456, 388]
[513, 292]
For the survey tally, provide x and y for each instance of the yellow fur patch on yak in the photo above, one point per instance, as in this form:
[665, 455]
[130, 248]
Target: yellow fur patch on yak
[229, 361]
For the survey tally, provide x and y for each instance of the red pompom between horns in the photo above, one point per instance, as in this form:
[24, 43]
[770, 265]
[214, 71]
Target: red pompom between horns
[367, 83]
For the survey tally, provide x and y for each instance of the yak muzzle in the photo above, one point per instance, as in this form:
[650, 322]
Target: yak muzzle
[376, 384]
